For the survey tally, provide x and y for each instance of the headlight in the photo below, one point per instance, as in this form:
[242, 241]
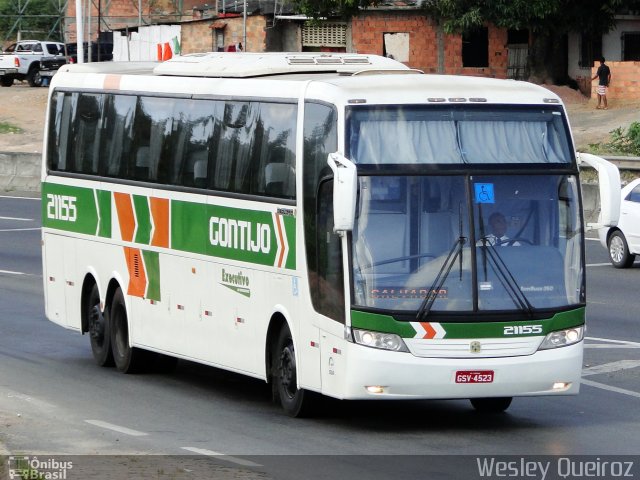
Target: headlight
[562, 338]
[384, 341]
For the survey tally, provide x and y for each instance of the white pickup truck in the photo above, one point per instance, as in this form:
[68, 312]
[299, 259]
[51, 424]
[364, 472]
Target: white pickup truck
[21, 61]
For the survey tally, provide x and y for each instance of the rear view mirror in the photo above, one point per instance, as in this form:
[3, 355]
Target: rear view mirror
[344, 192]
[609, 186]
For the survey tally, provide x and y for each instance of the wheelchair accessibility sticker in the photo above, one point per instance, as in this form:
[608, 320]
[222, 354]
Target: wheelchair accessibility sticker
[484, 193]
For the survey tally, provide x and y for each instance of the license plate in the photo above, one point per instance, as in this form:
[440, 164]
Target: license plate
[474, 376]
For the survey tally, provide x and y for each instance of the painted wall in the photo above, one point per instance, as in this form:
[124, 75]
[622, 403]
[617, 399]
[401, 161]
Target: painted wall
[143, 44]
[611, 49]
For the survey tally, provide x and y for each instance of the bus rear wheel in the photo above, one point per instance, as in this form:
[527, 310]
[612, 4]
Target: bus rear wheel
[295, 401]
[99, 331]
[491, 405]
[127, 358]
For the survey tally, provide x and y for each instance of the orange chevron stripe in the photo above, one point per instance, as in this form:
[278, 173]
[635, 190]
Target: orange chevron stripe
[430, 331]
[125, 215]
[137, 274]
[160, 215]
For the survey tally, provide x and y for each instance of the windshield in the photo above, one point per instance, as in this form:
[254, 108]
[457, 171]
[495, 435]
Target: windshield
[496, 242]
[461, 134]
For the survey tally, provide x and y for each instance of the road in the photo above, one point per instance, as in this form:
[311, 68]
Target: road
[54, 400]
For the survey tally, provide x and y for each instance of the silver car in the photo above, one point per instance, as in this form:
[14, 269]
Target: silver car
[623, 241]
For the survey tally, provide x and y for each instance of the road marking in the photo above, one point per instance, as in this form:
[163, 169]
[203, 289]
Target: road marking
[17, 219]
[611, 347]
[611, 340]
[591, 383]
[598, 264]
[116, 428]
[611, 367]
[19, 229]
[21, 198]
[222, 456]
[9, 272]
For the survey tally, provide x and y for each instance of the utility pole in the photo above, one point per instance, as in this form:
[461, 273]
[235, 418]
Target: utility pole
[79, 32]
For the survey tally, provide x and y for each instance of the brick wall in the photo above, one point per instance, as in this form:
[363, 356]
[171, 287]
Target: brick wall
[625, 80]
[368, 31]
[197, 35]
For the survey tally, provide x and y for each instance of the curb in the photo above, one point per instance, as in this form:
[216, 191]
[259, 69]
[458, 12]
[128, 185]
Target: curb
[20, 171]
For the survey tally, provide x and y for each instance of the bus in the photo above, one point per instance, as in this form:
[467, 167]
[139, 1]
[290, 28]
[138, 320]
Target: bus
[332, 224]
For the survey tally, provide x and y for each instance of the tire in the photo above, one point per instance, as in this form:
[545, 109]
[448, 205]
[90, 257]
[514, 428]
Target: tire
[34, 78]
[296, 402]
[98, 328]
[126, 358]
[619, 251]
[6, 80]
[491, 405]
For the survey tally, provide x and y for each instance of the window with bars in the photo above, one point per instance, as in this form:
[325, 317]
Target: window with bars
[590, 50]
[630, 46]
[324, 35]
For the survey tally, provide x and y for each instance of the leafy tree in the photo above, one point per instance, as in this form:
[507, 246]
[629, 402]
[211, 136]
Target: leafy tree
[548, 21]
[38, 17]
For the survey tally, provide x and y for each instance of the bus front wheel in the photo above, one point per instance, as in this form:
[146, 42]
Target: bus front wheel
[99, 331]
[295, 401]
[491, 405]
[127, 358]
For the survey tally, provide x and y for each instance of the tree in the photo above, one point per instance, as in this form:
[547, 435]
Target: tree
[548, 21]
[38, 17]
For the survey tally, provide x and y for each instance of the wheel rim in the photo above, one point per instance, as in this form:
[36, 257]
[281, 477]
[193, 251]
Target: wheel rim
[288, 371]
[616, 249]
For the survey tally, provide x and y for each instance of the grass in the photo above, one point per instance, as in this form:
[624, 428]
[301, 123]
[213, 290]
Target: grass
[6, 127]
[621, 142]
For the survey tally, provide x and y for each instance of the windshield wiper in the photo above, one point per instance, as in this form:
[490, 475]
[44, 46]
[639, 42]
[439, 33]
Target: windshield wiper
[432, 293]
[507, 280]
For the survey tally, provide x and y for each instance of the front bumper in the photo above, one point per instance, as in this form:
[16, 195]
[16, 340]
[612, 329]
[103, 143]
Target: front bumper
[404, 376]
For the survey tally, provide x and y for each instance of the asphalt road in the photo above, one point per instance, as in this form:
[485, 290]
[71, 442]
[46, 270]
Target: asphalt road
[54, 400]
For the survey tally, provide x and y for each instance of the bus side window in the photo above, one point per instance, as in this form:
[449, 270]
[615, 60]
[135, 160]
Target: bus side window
[87, 128]
[55, 128]
[273, 156]
[320, 139]
[330, 283]
[116, 139]
[66, 134]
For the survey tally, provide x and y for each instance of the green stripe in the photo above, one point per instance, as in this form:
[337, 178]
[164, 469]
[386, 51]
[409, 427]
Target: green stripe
[152, 266]
[248, 235]
[72, 209]
[189, 226]
[104, 205]
[231, 233]
[386, 323]
[290, 232]
[143, 219]
[241, 290]
[559, 321]
[381, 323]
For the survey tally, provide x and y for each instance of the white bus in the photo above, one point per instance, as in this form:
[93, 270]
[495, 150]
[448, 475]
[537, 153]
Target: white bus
[332, 224]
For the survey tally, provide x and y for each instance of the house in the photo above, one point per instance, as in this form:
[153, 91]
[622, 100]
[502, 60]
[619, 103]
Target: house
[621, 49]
